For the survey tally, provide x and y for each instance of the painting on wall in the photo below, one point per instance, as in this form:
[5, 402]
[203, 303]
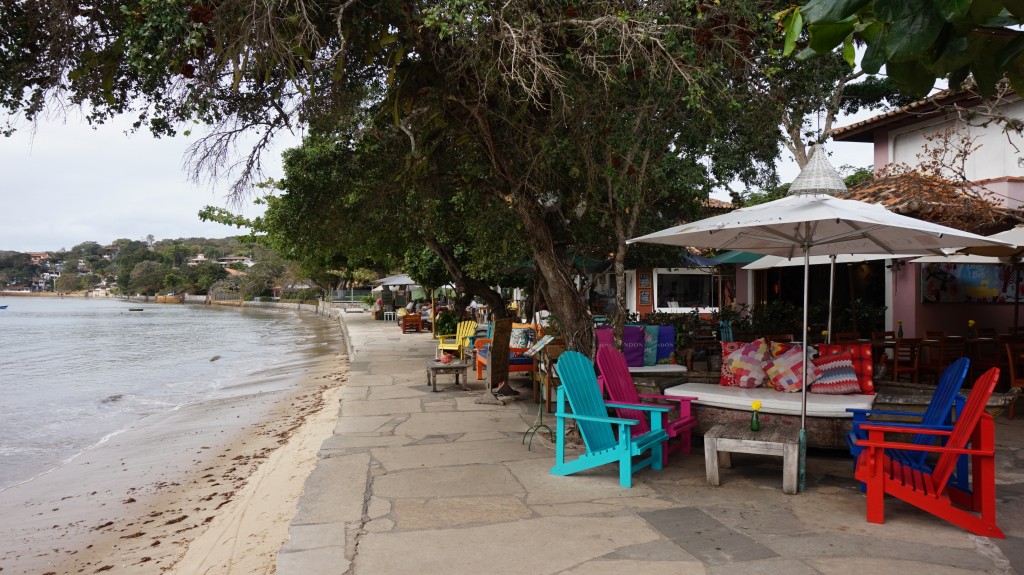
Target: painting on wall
[645, 297]
[946, 282]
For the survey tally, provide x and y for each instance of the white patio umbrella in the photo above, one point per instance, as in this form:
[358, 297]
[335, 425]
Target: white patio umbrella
[811, 221]
[768, 262]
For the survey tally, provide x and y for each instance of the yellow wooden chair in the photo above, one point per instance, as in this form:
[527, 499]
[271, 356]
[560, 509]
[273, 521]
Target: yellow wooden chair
[459, 341]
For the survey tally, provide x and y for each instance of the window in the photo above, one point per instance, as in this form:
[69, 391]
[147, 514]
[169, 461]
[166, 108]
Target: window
[683, 290]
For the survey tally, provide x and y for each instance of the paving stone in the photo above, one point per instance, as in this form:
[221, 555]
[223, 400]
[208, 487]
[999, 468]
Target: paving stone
[770, 566]
[620, 566]
[545, 545]
[660, 550]
[352, 424]
[457, 511]
[302, 537]
[832, 544]
[880, 566]
[595, 484]
[705, 537]
[452, 453]
[451, 481]
[334, 492]
[461, 422]
[320, 561]
[380, 407]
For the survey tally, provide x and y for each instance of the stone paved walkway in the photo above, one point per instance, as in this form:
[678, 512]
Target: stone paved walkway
[414, 482]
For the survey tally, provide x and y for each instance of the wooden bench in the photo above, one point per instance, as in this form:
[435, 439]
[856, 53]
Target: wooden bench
[779, 440]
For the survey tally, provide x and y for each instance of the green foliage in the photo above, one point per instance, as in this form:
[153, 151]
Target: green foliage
[853, 176]
[919, 40]
[775, 317]
[446, 322]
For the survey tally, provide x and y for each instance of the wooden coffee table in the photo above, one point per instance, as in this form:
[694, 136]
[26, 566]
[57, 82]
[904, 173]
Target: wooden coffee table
[781, 440]
[435, 367]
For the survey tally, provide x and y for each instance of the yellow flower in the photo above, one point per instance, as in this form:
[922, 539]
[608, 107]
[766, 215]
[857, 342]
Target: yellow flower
[899, 321]
[756, 405]
[824, 332]
[970, 323]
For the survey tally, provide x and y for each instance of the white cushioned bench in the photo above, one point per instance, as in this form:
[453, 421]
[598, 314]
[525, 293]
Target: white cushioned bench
[661, 369]
[779, 402]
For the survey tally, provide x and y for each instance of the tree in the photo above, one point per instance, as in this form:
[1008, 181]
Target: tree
[200, 278]
[524, 110]
[917, 40]
[69, 282]
[147, 277]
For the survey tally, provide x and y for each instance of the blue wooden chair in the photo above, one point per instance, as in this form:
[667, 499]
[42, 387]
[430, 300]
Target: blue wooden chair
[603, 444]
[945, 403]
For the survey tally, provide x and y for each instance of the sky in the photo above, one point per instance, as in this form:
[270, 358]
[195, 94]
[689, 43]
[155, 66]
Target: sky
[66, 183]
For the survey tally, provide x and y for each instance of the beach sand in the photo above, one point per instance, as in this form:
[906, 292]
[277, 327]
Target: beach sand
[207, 488]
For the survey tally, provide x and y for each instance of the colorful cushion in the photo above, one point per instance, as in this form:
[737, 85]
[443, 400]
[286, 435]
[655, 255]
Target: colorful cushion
[651, 344]
[633, 345]
[862, 365]
[666, 343]
[780, 347]
[837, 375]
[746, 364]
[728, 347]
[520, 337]
[785, 372]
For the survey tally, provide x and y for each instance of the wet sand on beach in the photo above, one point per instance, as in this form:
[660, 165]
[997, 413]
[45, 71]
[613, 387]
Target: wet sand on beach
[207, 488]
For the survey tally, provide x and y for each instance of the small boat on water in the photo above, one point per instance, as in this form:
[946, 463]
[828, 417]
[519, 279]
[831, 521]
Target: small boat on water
[135, 309]
[3, 307]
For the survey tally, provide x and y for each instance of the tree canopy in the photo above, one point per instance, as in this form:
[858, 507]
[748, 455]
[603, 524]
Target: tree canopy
[917, 40]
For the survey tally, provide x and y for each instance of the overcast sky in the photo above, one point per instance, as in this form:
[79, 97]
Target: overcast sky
[68, 183]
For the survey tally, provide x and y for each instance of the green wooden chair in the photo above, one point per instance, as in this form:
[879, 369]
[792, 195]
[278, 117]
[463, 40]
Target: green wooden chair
[604, 445]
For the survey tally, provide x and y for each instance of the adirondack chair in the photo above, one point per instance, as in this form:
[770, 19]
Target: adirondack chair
[930, 489]
[458, 342]
[603, 445]
[939, 412]
[618, 385]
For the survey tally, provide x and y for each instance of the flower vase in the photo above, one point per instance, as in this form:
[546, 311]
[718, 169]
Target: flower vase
[755, 422]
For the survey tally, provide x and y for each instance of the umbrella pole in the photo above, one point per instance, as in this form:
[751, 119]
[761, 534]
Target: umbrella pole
[803, 369]
[1016, 302]
[831, 289]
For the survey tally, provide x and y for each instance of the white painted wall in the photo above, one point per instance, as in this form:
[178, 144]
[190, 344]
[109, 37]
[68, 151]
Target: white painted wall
[1000, 154]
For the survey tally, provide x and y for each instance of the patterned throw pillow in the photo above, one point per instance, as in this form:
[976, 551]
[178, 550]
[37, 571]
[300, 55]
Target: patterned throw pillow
[633, 345]
[746, 364]
[837, 375]
[520, 337]
[780, 347]
[862, 364]
[651, 344]
[728, 347]
[666, 342]
[786, 371]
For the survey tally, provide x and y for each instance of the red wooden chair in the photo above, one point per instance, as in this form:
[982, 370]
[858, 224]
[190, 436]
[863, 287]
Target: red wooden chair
[618, 384]
[932, 491]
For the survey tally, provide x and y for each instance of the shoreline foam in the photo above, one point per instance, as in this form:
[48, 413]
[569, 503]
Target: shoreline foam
[139, 502]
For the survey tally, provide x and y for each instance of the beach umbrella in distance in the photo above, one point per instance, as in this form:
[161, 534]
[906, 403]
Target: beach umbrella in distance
[811, 221]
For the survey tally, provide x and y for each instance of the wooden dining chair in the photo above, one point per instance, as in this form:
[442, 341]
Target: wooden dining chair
[845, 337]
[1015, 361]
[906, 357]
[888, 334]
[986, 332]
[936, 355]
[934, 333]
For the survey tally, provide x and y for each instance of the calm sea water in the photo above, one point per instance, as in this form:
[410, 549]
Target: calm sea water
[74, 371]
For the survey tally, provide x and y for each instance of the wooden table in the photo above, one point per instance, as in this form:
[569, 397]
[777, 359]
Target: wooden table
[778, 440]
[435, 367]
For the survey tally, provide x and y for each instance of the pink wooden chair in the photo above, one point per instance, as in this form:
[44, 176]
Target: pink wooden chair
[618, 384]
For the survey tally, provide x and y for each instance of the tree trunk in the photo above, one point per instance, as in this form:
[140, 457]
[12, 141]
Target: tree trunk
[560, 293]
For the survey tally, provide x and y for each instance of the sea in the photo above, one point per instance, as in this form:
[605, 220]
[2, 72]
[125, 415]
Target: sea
[75, 372]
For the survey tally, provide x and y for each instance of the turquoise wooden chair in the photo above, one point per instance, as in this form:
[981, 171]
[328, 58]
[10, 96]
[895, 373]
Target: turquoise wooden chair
[603, 444]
